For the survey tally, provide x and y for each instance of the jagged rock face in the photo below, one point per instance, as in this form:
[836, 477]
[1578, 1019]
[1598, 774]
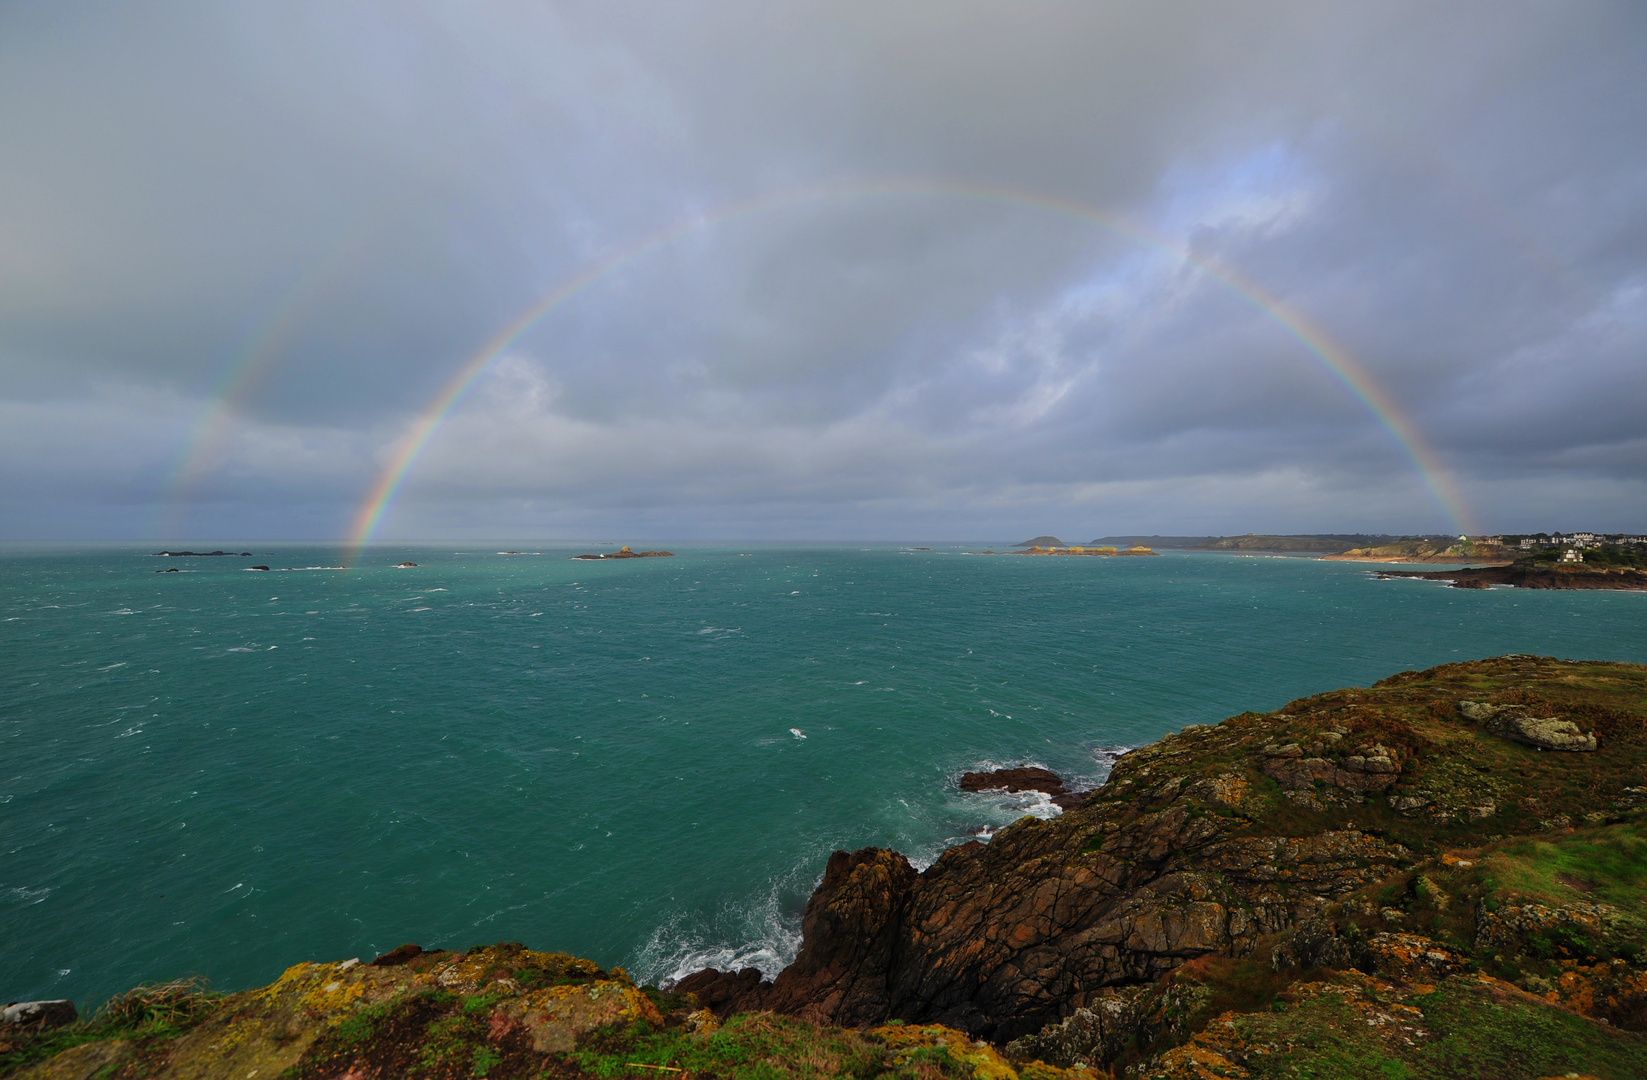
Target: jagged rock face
[1219, 840]
[1002, 939]
[852, 929]
[727, 992]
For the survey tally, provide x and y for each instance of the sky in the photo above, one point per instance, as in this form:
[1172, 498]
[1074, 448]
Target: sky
[832, 271]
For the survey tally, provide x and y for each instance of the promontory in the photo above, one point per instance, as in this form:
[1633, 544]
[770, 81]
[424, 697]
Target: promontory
[1441, 875]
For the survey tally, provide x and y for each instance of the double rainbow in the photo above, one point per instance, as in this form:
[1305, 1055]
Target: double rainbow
[1322, 348]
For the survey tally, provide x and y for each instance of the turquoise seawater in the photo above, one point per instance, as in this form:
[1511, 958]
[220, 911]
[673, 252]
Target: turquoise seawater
[224, 772]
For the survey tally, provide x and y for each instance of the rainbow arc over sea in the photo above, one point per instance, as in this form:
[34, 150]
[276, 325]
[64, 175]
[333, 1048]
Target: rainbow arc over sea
[1337, 360]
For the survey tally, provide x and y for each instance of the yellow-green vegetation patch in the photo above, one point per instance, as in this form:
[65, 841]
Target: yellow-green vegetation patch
[757, 1046]
[1523, 907]
[143, 1020]
[1606, 865]
[1352, 1025]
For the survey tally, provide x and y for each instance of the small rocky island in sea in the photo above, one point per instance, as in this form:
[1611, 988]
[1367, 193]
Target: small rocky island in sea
[1024, 778]
[1440, 875]
[202, 554]
[625, 553]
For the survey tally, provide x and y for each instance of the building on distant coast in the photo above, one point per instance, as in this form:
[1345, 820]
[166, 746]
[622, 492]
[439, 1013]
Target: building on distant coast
[1572, 555]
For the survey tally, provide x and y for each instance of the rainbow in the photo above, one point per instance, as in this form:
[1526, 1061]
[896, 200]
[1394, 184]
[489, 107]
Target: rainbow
[252, 356]
[1332, 356]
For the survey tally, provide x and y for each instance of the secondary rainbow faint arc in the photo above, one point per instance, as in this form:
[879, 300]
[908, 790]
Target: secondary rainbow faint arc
[1333, 356]
[253, 356]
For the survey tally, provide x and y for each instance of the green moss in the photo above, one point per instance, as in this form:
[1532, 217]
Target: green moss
[1609, 864]
[1460, 1031]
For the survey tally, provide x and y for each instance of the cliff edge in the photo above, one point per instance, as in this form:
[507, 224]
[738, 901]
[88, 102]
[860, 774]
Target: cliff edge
[1299, 839]
[1442, 875]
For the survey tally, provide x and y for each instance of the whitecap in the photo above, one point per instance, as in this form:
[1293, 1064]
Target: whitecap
[797, 732]
[759, 933]
[111, 667]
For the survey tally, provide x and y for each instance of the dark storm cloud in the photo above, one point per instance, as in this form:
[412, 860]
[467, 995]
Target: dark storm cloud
[356, 196]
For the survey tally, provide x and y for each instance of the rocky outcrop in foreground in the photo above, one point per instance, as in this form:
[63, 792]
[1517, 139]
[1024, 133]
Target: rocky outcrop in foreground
[1225, 843]
[498, 1011]
[1438, 876]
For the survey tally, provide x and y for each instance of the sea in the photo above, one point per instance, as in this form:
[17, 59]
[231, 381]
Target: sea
[221, 772]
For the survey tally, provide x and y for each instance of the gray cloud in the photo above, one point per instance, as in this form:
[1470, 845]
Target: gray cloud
[309, 217]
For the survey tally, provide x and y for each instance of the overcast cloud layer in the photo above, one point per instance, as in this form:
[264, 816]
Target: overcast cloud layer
[243, 246]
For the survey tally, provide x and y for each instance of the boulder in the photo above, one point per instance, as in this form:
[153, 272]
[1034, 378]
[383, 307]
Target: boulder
[1548, 733]
[44, 1014]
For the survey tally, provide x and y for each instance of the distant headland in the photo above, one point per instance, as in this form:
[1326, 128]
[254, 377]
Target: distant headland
[1577, 560]
[1037, 549]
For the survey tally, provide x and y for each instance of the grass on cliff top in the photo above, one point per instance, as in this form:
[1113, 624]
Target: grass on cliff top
[1463, 1030]
[1455, 763]
[150, 1014]
[1606, 866]
[434, 1034]
[757, 1046]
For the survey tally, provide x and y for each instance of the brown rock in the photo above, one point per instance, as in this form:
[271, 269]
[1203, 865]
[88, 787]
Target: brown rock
[1002, 939]
[1025, 778]
[397, 956]
[850, 935]
[1412, 958]
[727, 992]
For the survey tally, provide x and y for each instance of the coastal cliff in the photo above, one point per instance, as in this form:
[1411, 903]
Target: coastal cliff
[1444, 874]
[1534, 576]
[1318, 835]
[1427, 551]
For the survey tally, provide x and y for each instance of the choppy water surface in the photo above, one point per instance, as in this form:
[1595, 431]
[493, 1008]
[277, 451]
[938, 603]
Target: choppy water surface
[644, 762]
